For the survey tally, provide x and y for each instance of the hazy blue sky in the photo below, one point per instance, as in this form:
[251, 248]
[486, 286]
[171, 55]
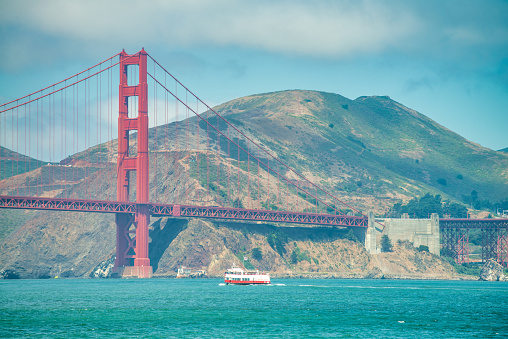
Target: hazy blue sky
[446, 59]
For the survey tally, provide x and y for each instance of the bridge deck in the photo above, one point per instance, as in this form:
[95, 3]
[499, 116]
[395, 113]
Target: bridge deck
[173, 210]
[473, 223]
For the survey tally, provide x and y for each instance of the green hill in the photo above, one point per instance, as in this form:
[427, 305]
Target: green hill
[370, 147]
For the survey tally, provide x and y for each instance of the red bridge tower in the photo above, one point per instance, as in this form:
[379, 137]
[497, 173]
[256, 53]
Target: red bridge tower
[132, 230]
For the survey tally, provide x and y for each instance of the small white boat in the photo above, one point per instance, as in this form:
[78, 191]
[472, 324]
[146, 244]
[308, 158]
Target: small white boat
[235, 275]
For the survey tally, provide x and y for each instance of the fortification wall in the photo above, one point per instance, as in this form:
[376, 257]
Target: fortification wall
[417, 231]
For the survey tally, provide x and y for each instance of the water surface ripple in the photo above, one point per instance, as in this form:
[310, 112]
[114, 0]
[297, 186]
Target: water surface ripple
[289, 308]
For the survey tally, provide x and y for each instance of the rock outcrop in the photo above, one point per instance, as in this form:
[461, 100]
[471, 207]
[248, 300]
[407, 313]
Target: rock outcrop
[104, 269]
[492, 271]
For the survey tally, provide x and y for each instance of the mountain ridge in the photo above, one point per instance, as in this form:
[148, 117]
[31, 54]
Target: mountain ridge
[418, 148]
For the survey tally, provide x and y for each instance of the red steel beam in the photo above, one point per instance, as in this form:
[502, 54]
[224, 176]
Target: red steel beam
[257, 215]
[57, 204]
[473, 223]
[97, 206]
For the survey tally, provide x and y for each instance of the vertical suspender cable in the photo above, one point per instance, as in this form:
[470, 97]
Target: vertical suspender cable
[49, 142]
[177, 148]
[51, 104]
[229, 165]
[287, 194]
[208, 196]
[17, 151]
[3, 153]
[74, 136]
[316, 200]
[248, 175]
[268, 181]
[62, 141]
[98, 173]
[155, 127]
[37, 147]
[197, 148]
[238, 168]
[166, 126]
[187, 130]
[86, 104]
[28, 152]
[297, 197]
[27, 159]
[110, 133]
[217, 151]
[258, 181]
[65, 144]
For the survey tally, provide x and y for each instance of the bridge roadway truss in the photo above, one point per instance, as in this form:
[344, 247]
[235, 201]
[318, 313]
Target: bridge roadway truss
[172, 210]
[455, 238]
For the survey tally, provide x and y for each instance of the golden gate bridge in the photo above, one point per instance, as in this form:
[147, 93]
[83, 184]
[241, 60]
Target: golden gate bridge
[147, 146]
[163, 152]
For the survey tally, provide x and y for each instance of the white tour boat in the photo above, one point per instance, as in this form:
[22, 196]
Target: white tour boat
[235, 275]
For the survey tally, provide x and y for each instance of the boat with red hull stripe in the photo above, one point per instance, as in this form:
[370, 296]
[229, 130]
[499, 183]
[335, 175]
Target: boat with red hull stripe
[237, 276]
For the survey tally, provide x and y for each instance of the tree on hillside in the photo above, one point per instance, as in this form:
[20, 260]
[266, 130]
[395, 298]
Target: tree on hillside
[350, 235]
[294, 258]
[419, 207]
[256, 254]
[454, 210]
[277, 241]
[475, 202]
[386, 244]
[423, 207]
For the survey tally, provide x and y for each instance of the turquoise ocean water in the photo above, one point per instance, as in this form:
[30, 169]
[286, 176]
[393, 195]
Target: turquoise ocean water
[289, 308]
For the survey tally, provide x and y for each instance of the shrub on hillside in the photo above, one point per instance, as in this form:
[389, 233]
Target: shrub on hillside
[423, 248]
[277, 242]
[256, 254]
[350, 235]
[297, 256]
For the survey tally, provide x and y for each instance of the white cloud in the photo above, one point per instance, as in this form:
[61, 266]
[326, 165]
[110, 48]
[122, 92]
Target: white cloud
[31, 30]
[309, 28]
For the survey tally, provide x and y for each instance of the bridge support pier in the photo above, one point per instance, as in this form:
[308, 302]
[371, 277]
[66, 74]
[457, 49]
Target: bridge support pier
[142, 262]
[123, 239]
[371, 235]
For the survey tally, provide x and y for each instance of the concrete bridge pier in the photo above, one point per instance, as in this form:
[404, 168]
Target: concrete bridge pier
[371, 235]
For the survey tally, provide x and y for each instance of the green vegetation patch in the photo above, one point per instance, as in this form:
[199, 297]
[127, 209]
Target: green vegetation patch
[465, 268]
[423, 207]
[248, 265]
[297, 256]
[277, 241]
